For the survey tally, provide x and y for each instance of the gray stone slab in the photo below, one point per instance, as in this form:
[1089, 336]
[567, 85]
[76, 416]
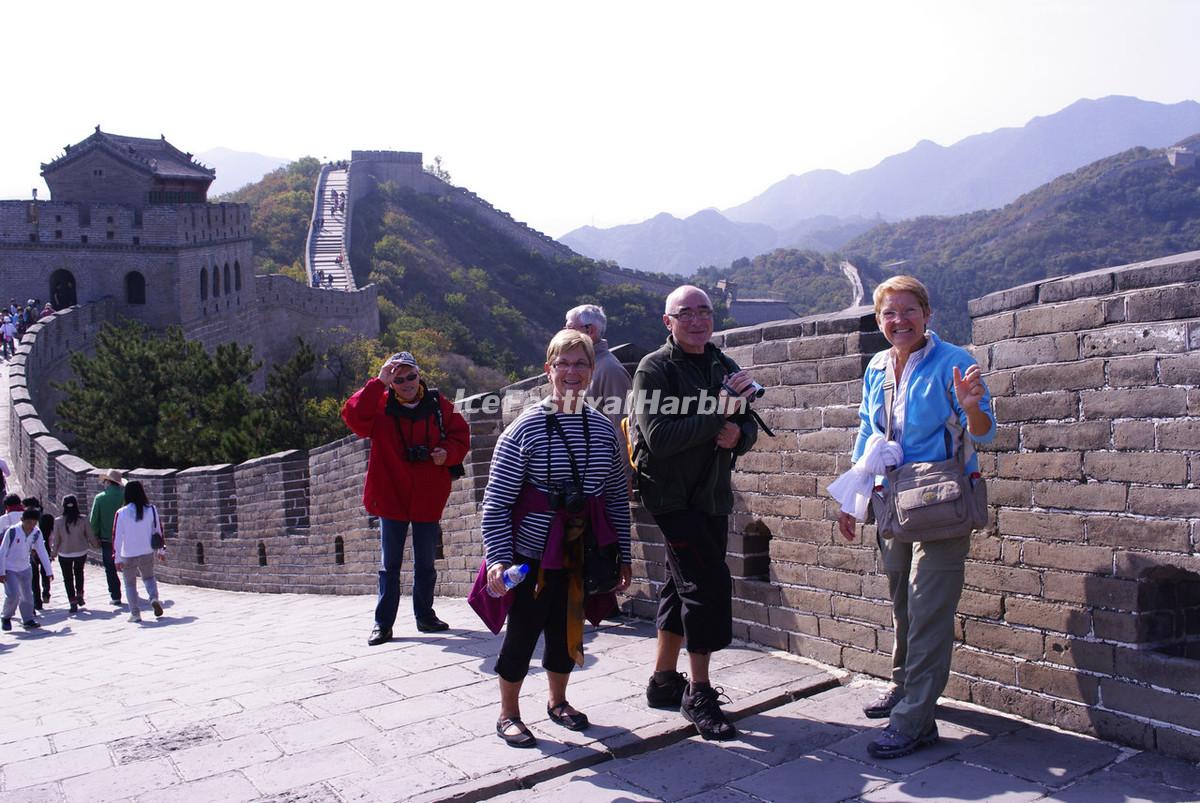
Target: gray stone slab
[814, 778]
[115, 783]
[322, 732]
[780, 735]
[43, 793]
[303, 769]
[222, 757]
[1100, 788]
[953, 780]
[1159, 770]
[34, 771]
[686, 769]
[232, 787]
[396, 783]
[1041, 755]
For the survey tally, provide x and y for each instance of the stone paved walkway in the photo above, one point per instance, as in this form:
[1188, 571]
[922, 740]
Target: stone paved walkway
[233, 697]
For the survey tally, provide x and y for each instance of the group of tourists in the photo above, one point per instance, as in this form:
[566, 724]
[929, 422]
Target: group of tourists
[124, 528]
[15, 319]
[556, 518]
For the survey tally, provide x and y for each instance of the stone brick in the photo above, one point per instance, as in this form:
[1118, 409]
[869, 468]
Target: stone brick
[1133, 435]
[1091, 656]
[1167, 270]
[1133, 371]
[981, 604]
[1004, 639]
[851, 608]
[1178, 434]
[989, 577]
[793, 621]
[1132, 627]
[1163, 303]
[815, 648]
[1177, 743]
[1144, 701]
[848, 633]
[867, 662]
[1015, 493]
[984, 665]
[1137, 564]
[1132, 533]
[1177, 502]
[816, 348]
[814, 532]
[841, 582]
[1047, 616]
[1038, 465]
[1118, 340]
[1012, 298]
[1080, 435]
[1141, 467]
[1080, 496]
[1037, 407]
[825, 440]
[1081, 285]
[1092, 590]
[807, 600]
[1059, 683]
[851, 559]
[798, 373]
[1134, 403]
[768, 352]
[992, 328]
[1035, 350]
[1072, 317]
[1072, 557]
[1050, 526]
[1179, 370]
[1166, 671]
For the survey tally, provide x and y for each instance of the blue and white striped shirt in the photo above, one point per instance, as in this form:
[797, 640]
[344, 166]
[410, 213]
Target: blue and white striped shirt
[524, 452]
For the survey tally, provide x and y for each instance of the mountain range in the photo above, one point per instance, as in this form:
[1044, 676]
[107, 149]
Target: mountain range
[824, 209]
[236, 169]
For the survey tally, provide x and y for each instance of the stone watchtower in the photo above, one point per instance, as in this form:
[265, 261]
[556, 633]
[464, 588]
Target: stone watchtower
[128, 219]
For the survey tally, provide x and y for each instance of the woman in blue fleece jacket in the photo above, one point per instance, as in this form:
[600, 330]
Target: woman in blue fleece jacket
[933, 381]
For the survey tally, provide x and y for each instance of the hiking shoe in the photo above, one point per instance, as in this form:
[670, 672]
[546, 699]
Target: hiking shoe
[157, 606]
[882, 707]
[30, 624]
[702, 707]
[666, 693]
[74, 608]
[894, 744]
[6, 624]
[135, 617]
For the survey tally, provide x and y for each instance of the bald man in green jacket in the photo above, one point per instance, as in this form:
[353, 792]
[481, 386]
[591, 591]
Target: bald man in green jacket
[104, 508]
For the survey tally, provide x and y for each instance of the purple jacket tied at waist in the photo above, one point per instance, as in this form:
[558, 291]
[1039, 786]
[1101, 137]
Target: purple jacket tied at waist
[493, 610]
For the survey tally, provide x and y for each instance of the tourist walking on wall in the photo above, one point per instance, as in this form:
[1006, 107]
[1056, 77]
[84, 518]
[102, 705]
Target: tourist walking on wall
[104, 508]
[684, 459]
[418, 443]
[70, 541]
[135, 547]
[557, 478]
[9, 331]
[17, 543]
[930, 383]
[41, 574]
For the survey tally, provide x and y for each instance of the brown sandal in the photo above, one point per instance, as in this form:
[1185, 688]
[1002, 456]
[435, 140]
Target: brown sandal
[522, 738]
[571, 721]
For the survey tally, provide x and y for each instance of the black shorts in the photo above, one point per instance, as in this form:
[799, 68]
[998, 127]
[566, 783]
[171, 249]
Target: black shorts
[697, 600]
[529, 618]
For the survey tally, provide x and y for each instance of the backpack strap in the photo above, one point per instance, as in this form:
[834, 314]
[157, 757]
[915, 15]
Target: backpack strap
[437, 411]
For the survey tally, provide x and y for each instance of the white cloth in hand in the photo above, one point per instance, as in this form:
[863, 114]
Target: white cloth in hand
[853, 489]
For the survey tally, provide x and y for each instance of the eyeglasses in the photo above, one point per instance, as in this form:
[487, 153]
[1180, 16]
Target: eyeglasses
[578, 365]
[895, 315]
[408, 378]
[685, 315]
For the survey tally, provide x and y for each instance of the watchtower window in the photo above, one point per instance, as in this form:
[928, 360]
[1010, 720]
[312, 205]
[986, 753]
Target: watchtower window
[204, 284]
[227, 284]
[85, 215]
[216, 281]
[98, 172]
[237, 276]
[135, 288]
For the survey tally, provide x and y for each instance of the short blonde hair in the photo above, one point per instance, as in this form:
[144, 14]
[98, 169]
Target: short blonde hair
[902, 284]
[568, 339]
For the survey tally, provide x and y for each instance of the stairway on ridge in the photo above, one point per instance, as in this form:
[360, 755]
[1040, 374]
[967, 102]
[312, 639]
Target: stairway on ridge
[328, 243]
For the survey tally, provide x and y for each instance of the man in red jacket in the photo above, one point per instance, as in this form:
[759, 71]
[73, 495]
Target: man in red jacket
[417, 440]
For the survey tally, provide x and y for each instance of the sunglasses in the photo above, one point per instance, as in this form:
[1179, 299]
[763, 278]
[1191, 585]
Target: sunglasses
[408, 378]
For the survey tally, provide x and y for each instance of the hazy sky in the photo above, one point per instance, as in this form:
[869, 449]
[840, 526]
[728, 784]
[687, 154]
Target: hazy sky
[569, 113]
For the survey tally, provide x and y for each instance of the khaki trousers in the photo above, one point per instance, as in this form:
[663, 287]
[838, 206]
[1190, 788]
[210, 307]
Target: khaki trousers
[925, 581]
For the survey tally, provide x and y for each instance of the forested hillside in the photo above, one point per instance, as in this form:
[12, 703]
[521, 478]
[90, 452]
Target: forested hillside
[280, 209]
[496, 302]
[1126, 208]
[810, 281]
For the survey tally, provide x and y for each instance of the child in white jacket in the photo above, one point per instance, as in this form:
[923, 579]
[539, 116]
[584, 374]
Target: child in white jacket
[16, 571]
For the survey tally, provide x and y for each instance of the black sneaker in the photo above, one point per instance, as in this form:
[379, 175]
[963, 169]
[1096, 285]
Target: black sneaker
[882, 706]
[702, 707]
[30, 624]
[6, 623]
[667, 693]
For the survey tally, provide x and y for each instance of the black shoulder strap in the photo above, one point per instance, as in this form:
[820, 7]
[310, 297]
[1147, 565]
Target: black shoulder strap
[437, 411]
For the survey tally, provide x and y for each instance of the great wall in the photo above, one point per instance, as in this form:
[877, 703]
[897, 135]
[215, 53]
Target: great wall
[1082, 606]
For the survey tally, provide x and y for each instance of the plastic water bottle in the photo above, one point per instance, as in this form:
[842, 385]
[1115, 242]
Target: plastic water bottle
[513, 577]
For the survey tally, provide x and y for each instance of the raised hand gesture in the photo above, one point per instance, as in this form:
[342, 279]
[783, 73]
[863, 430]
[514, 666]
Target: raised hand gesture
[969, 388]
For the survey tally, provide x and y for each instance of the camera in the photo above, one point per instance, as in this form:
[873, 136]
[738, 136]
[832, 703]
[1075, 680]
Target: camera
[418, 453]
[752, 392]
[567, 495]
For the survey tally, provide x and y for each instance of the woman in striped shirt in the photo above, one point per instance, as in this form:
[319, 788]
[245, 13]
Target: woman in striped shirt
[556, 470]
